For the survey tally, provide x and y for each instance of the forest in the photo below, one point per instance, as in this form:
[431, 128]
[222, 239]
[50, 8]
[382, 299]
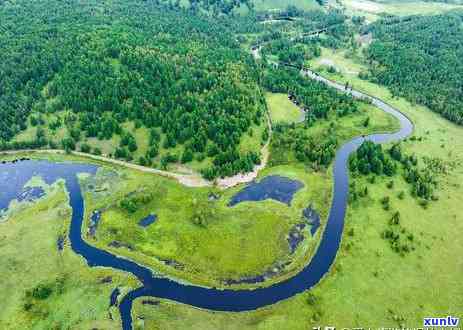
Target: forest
[296, 44]
[319, 102]
[419, 57]
[179, 75]
[372, 159]
[318, 99]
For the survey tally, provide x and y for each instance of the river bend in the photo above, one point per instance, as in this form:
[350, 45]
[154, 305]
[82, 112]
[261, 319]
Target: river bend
[211, 298]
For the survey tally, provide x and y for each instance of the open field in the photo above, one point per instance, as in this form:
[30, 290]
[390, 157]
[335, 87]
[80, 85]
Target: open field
[178, 78]
[373, 10]
[198, 240]
[338, 60]
[283, 110]
[422, 283]
[347, 70]
[263, 5]
[370, 285]
[228, 236]
[31, 261]
[415, 284]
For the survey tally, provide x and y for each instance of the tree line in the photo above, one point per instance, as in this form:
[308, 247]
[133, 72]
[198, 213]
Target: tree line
[419, 57]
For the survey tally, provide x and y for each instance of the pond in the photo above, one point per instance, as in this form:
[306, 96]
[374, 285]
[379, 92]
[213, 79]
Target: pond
[313, 218]
[148, 220]
[94, 222]
[278, 188]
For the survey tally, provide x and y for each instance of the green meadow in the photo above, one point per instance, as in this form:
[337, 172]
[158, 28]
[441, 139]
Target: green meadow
[201, 240]
[204, 241]
[374, 10]
[282, 110]
[400, 258]
[370, 285]
[42, 287]
[264, 5]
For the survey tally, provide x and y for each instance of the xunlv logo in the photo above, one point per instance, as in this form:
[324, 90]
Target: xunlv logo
[448, 321]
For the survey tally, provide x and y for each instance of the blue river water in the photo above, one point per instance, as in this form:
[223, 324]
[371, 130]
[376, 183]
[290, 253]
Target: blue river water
[13, 176]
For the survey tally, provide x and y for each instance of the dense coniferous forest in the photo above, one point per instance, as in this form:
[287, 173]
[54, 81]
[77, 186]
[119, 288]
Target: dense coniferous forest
[420, 57]
[318, 99]
[215, 7]
[172, 71]
[370, 158]
[300, 44]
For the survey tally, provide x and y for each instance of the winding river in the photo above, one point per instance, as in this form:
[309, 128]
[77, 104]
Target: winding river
[211, 298]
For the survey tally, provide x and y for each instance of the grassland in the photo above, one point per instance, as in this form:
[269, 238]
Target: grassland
[373, 10]
[30, 260]
[265, 5]
[205, 242]
[277, 5]
[370, 285]
[344, 128]
[282, 110]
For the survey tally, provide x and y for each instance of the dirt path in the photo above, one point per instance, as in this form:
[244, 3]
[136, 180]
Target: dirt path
[232, 181]
[191, 179]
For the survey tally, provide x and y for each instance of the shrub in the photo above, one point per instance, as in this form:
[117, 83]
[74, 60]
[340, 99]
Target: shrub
[395, 220]
[366, 122]
[312, 299]
[42, 291]
[85, 148]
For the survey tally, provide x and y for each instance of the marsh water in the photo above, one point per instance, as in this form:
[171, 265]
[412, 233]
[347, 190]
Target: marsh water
[276, 187]
[13, 177]
[148, 220]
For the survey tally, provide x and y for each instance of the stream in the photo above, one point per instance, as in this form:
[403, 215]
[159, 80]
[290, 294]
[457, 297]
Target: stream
[19, 173]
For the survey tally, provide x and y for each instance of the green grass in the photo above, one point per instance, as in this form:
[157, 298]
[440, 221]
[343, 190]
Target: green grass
[230, 233]
[282, 110]
[224, 247]
[372, 10]
[276, 5]
[264, 5]
[252, 140]
[370, 285]
[353, 124]
[30, 258]
[345, 128]
[348, 66]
